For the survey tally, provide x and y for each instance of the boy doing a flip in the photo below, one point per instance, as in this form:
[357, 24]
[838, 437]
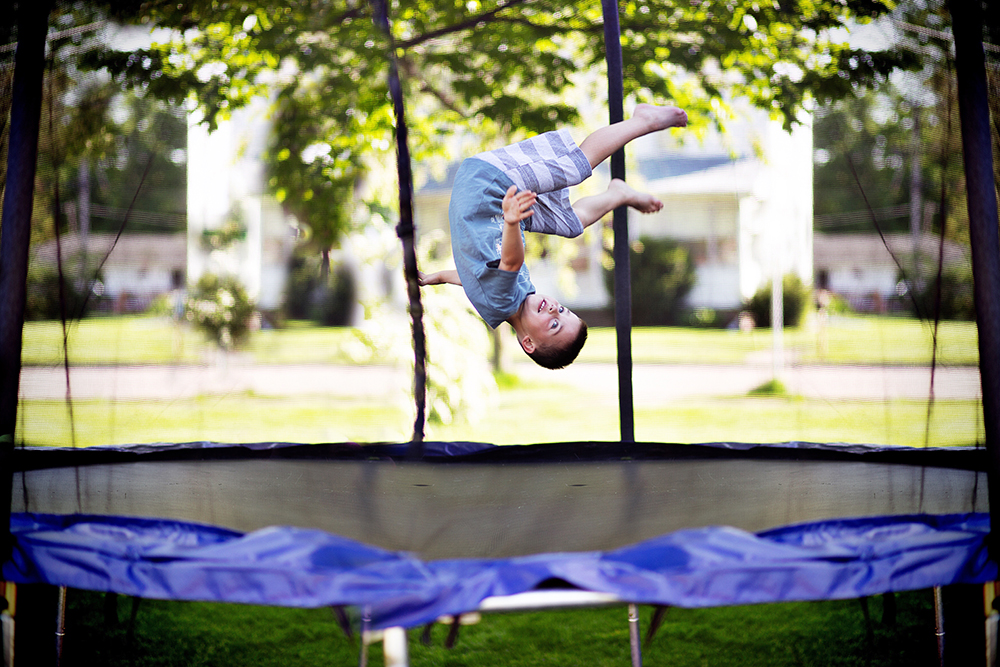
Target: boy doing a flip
[500, 194]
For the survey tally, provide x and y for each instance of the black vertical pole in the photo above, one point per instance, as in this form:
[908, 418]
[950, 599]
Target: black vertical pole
[623, 280]
[405, 231]
[970, 69]
[15, 228]
[623, 283]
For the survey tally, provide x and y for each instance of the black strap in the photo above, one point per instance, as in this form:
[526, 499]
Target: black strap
[405, 231]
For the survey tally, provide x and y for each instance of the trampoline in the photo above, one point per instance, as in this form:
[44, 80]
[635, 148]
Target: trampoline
[412, 531]
[469, 521]
[479, 501]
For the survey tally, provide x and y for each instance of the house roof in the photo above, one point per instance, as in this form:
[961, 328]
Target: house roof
[131, 249]
[838, 250]
[672, 165]
[734, 176]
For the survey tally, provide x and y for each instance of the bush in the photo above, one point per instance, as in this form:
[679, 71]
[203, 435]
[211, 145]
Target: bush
[662, 275]
[308, 298]
[42, 294]
[834, 304]
[794, 297]
[957, 299]
[221, 309]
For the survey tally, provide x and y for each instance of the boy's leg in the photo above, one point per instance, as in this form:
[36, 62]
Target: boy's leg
[593, 208]
[548, 162]
[600, 144]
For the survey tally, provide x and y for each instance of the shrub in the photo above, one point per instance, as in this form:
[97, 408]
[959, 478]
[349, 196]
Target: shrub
[957, 300]
[835, 304]
[308, 298]
[220, 307]
[662, 275]
[795, 295]
[42, 294]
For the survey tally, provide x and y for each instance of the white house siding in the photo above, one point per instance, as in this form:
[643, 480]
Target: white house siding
[140, 265]
[226, 173]
[707, 223]
[786, 189]
[879, 280]
[863, 267]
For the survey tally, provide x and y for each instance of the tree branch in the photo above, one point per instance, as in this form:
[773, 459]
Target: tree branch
[467, 24]
[410, 68]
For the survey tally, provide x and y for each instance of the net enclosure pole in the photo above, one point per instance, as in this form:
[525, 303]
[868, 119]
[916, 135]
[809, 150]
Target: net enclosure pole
[974, 113]
[622, 275]
[405, 230]
[15, 228]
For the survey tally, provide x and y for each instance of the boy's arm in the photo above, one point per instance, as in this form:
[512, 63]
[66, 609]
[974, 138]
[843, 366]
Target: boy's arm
[516, 207]
[448, 276]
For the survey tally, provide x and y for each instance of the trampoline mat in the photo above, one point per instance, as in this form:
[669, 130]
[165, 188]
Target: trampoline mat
[502, 508]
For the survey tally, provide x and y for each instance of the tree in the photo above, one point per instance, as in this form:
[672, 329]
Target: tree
[88, 121]
[901, 138]
[863, 142]
[313, 167]
[497, 67]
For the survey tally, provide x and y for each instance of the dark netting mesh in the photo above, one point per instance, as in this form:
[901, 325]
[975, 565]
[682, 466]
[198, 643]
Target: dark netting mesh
[198, 305]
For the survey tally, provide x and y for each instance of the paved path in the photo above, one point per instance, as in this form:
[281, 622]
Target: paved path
[652, 383]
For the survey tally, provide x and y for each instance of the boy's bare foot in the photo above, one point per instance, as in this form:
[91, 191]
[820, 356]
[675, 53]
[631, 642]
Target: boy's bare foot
[640, 201]
[661, 118]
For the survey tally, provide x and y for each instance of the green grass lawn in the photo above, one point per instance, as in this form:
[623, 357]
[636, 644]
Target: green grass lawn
[249, 418]
[845, 340]
[139, 339]
[111, 340]
[831, 633]
[572, 413]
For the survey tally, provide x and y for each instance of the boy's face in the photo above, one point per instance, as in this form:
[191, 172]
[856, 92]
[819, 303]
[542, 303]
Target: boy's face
[546, 323]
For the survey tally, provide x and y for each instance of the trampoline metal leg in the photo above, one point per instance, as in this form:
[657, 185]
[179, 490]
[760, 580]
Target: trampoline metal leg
[991, 638]
[365, 630]
[633, 635]
[7, 622]
[394, 647]
[939, 623]
[60, 624]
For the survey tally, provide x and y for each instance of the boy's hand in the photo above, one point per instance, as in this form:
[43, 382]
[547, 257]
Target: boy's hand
[446, 277]
[517, 205]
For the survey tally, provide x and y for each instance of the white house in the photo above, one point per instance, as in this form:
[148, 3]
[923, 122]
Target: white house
[865, 269]
[226, 186]
[137, 267]
[746, 220]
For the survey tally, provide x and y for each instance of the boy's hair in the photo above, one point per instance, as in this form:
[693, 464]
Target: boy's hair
[556, 358]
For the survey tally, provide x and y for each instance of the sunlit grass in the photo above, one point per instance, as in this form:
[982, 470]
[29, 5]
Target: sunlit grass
[782, 419]
[240, 417]
[525, 413]
[844, 340]
[135, 339]
[112, 340]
